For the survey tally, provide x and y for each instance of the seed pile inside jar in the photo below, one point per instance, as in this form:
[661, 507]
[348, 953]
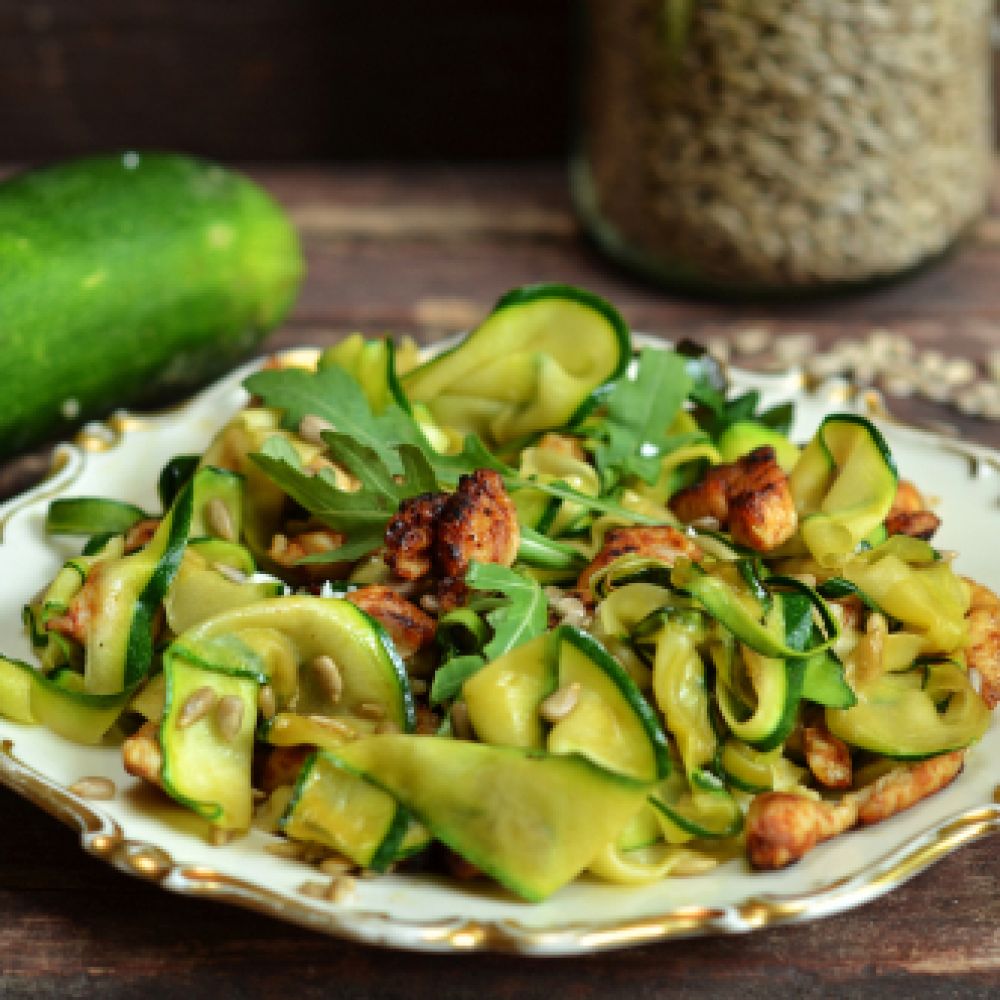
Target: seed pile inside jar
[787, 142]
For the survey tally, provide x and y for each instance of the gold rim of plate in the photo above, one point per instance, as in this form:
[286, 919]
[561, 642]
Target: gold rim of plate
[103, 837]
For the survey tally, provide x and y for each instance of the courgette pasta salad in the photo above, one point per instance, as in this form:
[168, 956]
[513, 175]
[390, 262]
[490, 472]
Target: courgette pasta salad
[540, 606]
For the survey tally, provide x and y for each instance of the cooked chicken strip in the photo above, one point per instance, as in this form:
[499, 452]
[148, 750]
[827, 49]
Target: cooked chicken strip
[409, 538]
[905, 786]
[782, 827]
[478, 523]
[662, 542]
[409, 628]
[828, 757]
[983, 651]
[750, 496]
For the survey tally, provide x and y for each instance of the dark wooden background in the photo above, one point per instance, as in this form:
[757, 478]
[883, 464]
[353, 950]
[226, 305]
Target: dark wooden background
[288, 79]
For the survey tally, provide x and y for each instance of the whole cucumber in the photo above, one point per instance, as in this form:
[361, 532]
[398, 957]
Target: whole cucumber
[127, 279]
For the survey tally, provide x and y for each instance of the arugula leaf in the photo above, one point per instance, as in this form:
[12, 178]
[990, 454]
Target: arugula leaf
[331, 393]
[632, 435]
[361, 514]
[451, 675]
[520, 615]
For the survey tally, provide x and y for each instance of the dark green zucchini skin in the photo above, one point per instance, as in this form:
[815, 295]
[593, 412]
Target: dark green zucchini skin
[131, 278]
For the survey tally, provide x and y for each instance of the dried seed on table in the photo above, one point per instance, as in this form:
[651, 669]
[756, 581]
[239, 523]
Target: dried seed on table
[219, 520]
[93, 787]
[371, 710]
[327, 674]
[311, 428]
[196, 706]
[753, 340]
[560, 703]
[959, 371]
[229, 717]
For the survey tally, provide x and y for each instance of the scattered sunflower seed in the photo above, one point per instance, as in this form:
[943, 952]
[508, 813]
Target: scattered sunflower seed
[94, 787]
[219, 520]
[311, 428]
[230, 573]
[327, 674]
[229, 717]
[560, 703]
[196, 706]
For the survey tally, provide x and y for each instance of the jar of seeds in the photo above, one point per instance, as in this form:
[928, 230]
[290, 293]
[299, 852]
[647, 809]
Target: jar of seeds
[782, 146]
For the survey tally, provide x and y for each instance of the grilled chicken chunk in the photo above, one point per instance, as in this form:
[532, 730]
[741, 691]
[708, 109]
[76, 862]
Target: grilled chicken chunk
[909, 514]
[441, 534]
[782, 827]
[409, 628]
[662, 542]
[750, 496]
[983, 651]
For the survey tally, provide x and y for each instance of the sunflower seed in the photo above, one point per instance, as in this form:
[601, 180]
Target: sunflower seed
[196, 706]
[219, 520]
[229, 717]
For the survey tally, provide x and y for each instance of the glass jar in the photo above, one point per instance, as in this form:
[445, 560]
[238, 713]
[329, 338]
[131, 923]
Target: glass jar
[782, 146]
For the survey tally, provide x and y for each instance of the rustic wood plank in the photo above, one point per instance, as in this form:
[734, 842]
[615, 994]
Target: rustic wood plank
[68, 916]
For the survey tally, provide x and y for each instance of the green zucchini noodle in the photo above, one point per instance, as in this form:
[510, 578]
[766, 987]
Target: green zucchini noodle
[536, 608]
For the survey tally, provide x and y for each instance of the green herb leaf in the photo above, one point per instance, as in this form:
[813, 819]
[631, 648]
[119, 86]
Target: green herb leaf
[522, 612]
[632, 435]
[451, 675]
[331, 393]
[362, 515]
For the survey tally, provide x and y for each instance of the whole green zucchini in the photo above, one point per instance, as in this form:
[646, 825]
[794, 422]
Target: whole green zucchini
[128, 279]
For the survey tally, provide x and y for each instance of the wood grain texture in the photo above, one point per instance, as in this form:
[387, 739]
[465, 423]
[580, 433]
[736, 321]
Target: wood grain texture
[274, 79]
[426, 251]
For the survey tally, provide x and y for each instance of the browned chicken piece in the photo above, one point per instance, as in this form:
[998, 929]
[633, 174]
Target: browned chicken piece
[909, 514]
[282, 766]
[141, 754]
[409, 538]
[409, 628]
[983, 651]
[828, 758]
[662, 542]
[140, 534]
[428, 721]
[562, 445]
[478, 523]
[706, 499]
[75, 621]
[782, 827]
[751, 497]
[905, 786]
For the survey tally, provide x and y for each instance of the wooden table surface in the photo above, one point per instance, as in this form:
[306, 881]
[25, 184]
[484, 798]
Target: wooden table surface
[426, 251]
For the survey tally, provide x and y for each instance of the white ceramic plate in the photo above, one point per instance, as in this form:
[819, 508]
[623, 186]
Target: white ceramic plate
[140, 833]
